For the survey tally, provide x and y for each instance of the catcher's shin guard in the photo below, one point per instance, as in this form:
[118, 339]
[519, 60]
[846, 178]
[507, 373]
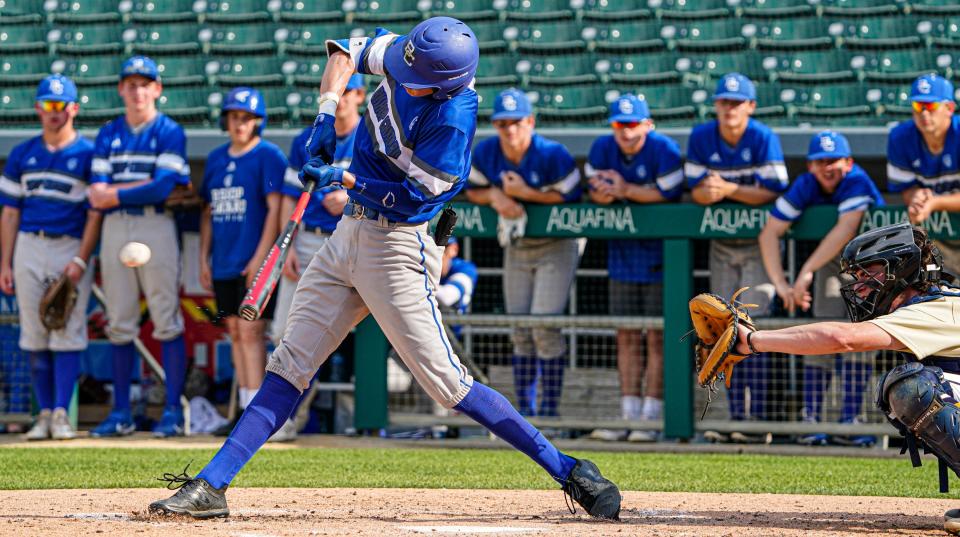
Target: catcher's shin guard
[915, 397]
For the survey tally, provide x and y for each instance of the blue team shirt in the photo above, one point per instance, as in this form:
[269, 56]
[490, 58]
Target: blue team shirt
[236, 189]
[463, 276]
[910, 163]
[422, 145]
[757, 160]
[315, 215]
[856, 192]
[50, 189]
[658, 163]
[156, 151]
[546, 166]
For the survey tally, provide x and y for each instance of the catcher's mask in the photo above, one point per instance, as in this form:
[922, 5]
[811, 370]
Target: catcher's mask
[878, 265]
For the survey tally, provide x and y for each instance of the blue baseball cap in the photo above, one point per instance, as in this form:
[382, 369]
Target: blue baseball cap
[139, 65]
[511, 104]
[629, 107]
[931, 88]
[735, 87]
[57, 88]
[828, 144]
[355, 82]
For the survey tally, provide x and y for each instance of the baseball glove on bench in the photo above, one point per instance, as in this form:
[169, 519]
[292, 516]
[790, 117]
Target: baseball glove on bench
[717, 322]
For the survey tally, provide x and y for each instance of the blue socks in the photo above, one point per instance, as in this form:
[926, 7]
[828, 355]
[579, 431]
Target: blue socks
[175, 367]
[855, 376]
[65, 372]
[124, 358]
[264, 416]
[525, 384]
[41, 369]
[551, 378]
[492, 410]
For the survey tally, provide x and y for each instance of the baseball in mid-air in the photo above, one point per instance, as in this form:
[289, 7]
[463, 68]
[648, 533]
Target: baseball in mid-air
[134, 254]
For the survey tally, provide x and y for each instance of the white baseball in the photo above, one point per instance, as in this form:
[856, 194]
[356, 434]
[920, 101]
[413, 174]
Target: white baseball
[134, 254]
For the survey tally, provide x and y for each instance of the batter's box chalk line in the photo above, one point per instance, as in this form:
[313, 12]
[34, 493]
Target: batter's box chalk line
[99, 516]
[471, 530]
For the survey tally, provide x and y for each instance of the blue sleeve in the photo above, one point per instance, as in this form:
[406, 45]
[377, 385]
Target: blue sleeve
[11, 189]
[856, 193]
[790, 206]
[172, 156]
[150, 193]
[298, 157]
[669, 172]
[695, 168]
[440, 161]
[367, 53]
[274, 170]
[771, 170]
[101, 171]
[482, 174]
[900, 174]
[595, 159]
[564, 175]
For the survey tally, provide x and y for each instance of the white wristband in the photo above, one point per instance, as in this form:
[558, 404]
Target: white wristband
[78, 261]
[328, 103]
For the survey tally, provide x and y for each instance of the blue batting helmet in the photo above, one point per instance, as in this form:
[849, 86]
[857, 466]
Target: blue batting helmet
[440, 53]
[248, 100]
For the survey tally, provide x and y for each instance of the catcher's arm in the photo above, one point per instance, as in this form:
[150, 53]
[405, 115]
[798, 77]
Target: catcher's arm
[819, 338]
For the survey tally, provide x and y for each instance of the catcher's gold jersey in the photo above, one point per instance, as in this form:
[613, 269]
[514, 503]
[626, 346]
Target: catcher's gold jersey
[927, 328]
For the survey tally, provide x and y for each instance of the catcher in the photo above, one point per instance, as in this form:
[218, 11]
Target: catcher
[899, 298]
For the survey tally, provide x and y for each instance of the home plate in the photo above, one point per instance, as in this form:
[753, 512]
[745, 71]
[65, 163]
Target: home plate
[470, 529]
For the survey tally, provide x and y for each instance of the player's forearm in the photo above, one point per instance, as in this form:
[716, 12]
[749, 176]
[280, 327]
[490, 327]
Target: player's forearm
[9, 226]
[701, 195]
[147, 192]
[831, 245]
[643, 194]
[550, 197]
[287, 206]
[480, 196]
[824, 338]
[946, 202]
[206, 233]
[769, 241]
[91, 234]
[337, 73]
[752, 195]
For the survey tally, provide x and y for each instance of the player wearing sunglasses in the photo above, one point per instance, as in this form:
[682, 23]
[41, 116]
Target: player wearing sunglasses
[923, 157]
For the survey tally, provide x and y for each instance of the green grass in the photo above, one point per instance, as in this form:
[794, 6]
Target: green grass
[40, 468]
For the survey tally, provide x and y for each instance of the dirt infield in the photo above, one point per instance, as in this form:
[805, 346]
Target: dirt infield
[386, 512]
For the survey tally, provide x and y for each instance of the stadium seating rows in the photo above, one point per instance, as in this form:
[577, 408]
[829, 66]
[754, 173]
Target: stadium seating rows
[823, 62]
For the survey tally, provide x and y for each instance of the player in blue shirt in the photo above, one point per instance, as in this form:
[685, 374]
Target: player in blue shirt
[737, 159]
[458, 279]
[519, 166]
[832, 178]
[412, 155]
[241, 185]
[47, 229]
[138, 159]
[923, 158]
[639, 165]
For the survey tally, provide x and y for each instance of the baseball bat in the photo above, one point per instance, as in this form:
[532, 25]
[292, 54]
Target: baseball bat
[270, 270]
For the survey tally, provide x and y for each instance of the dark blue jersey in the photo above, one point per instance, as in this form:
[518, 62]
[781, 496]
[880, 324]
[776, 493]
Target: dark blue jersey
[316, 215]
[910, 163]
[462, 276]
[856, 192]
[757, 160]
[546, 166]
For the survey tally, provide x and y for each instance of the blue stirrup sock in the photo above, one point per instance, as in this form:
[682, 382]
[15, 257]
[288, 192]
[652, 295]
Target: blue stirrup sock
[65, 372]
[124, 358]
[175, 367]
[492, 410]
[41, 373]
[551, 378]
[854, 376]
[525, 383]
[815, 382]
[264, 416]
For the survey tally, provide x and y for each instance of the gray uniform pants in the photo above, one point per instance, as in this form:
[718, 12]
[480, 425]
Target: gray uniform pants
[306, 244]
[537, 274]
[738, 263]
[373, 267]
[35, 260]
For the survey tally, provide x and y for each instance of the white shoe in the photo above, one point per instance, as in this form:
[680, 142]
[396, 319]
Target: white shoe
[60, 428]
[642, 436]
[609, 435]
[41, 428]
[287, 433]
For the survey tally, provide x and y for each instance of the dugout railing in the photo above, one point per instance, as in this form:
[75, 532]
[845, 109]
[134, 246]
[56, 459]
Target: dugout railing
[679, 225]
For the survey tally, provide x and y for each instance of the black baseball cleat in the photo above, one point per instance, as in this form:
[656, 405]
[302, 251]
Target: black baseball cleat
[196, 498]
[595, 493]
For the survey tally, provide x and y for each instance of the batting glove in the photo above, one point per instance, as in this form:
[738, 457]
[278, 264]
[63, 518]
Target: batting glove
[324, 174]
[323, 139]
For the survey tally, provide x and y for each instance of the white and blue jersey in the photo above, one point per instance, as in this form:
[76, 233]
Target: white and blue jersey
[546, 166]
[658, 164]
[50, 189]
[910, 163]
[856, 192]
[411, 154]
[757, 160]
[315, 215]
[236, 189]
[462, 277]
[155, 152]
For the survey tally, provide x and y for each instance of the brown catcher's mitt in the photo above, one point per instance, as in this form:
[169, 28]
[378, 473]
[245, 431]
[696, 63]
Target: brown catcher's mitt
[716, 322]
[184, 198]
[57, 302]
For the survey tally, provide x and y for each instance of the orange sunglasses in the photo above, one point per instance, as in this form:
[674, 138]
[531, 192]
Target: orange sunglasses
[929, 107]
[52, 106]
[624, 124]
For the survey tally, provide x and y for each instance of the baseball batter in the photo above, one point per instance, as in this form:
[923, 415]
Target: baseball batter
[241, 185]
[47, 229]
[411, 157]
[519, 166]
[138, 159]
[833, 178]
[736, 158]
[898, 299]
[635, 164]
[923, 157]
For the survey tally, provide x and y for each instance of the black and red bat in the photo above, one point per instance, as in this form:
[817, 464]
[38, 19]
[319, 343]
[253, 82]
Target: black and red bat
[270, 270]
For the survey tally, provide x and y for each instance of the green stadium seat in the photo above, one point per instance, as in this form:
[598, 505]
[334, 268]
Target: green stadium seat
[78, 11]
[558, 70]
[98, 104]
[668, 101]
[770, 108]
[614, 10]
[825, 104]
[875, 32]
[164, 38]
[465, 10]
[570, 105]
[896, 65]
[946, 31]
[787, 33]
[231, 7]
[860, 8]
[383, 11]
[239, 38]
[497, 70]
[809, 66]
[893, 99]
[625, 36]
[21, 7]
[715, 65]
[555, 36]
[23, 68]
[86, 38]
[308, 39]
[301, 11]
[486, 95]
[158, 9]
[89, 69]
[490, 35]
[638, 68]
[776, 8]
[708, 34]
[16, 105]
[534, 10]
[188, 105]
[690, 9]
[935, 7]
[307, 71]
[181, 69]
[22, 33]
[245, 70]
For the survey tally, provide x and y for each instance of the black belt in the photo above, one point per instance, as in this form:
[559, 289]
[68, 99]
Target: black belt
[44, 235]
[355, 210]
